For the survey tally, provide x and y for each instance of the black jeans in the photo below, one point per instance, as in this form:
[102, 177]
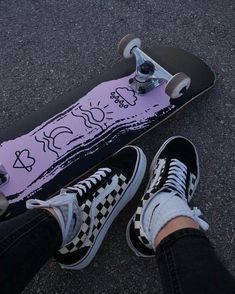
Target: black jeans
[188, 264]
[26, 243]
[187, 261]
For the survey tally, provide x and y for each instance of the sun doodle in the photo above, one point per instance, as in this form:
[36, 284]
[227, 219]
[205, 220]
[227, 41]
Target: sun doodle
[95, 115]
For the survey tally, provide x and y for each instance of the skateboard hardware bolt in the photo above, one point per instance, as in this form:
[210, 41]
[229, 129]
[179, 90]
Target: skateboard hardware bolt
[142, 90]
[147, 68]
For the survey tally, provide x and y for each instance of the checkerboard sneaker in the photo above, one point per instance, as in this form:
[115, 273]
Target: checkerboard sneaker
[101, 197]
[174, 175]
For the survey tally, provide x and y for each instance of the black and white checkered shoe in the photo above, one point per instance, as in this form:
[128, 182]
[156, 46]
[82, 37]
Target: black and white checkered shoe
[101, 197]
[174, 175]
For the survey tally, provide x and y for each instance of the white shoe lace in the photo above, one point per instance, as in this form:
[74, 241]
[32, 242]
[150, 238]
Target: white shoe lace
[176, 179]
[177, 176]
[196, 213]
[86, 184]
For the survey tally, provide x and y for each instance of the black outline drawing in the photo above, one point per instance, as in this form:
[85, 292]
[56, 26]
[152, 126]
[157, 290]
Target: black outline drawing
[23, 165]
[87, 113]
[118, 98]
[52, 136]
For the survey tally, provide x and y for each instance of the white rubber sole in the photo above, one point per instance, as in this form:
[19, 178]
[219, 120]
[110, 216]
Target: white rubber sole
[131, 246]
[129, 193]
[154, 161]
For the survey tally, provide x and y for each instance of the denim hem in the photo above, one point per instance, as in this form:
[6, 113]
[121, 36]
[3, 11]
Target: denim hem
[173, 237]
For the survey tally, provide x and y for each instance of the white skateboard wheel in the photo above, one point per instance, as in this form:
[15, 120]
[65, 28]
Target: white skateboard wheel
[127, 43]
[177, 85]
[3, 204]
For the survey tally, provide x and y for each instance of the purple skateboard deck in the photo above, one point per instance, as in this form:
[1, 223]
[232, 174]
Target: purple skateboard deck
[48, 151]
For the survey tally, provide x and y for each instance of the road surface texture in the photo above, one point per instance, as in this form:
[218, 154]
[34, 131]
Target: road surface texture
[49, 47]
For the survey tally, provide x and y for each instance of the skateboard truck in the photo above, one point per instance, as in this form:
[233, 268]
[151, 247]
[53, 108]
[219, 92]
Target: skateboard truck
[4, 177]
[149, 74]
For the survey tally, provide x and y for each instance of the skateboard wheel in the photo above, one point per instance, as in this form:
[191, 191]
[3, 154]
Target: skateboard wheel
[127, 43]
[3, 204]
[177, 85]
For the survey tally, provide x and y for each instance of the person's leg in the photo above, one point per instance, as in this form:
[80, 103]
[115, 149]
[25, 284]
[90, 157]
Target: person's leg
[74, 222]
[187, 261]
[164, 223]
[26, 243]
[29, 240]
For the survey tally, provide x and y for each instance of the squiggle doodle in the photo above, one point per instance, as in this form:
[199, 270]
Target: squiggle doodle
[94, 116]
[48, 141]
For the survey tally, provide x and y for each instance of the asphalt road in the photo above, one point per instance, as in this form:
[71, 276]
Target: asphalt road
[49, 47]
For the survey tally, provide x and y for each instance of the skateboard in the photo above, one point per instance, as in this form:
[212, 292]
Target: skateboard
[58, 144]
